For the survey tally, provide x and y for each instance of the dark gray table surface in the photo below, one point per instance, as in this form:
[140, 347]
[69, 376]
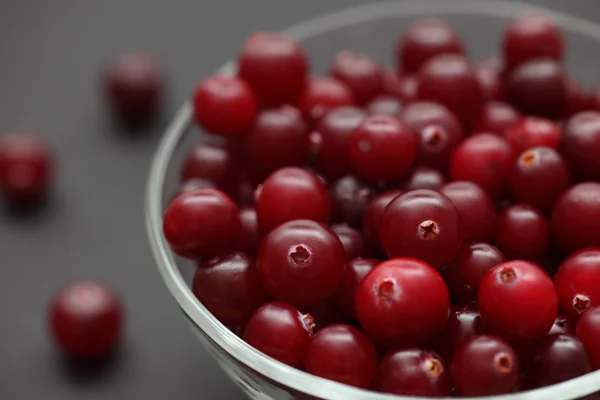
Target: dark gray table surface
[51, 53]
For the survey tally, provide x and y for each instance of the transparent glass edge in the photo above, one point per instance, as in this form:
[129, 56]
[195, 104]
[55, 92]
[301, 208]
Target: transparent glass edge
[227, 340]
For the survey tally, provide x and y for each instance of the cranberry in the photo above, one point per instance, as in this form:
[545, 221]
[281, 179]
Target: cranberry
[572, 217]
[25, 168]
[563, 324]
[279, 138]
[403, 88]
[249, 237]
[334, 130]
[423, 224]
[193, 184]
[580, 145]
[539, 177]
[301, 191]
[325, 314]
[224, 105]
[361, 73]
[476, 209]
[323, 94]
[484, 159]
[538, 87]
[86, 320]
[577, 280]
[438, 130]
[213, 163]
[425, 178]
[529, 37]
[484, 366]
[413, 371]
[558, 359]
[372, 218]
[280, 331]
[463, 323]
[134, 87]
[578, 99]
[356, 270]
[301, 262]
[390, 303]
[381, 148]
[229, 287]
[424, 39]
[496, 117]
[523, 233]
[274, 66]
[352, 240]
[349, 200]
[533, 132]
[385, 104]
[470, 266]
[518, 300]
[201, 223]
[490, 82]
[588, 331]
[343, 354]
[450, 80]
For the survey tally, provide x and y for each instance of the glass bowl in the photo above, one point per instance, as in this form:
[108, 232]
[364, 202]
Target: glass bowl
[372, 29]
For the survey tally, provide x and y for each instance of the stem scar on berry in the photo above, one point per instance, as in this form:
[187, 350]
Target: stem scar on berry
[581, 303]
[428, 230]
[508, 274]
[309, 323]
[300, 255]
[528, 159]
[434, 367]
[433, 136]
[386, 288]
[503, 362]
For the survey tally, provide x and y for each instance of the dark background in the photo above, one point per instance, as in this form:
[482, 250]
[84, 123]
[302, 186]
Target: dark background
[51, 55]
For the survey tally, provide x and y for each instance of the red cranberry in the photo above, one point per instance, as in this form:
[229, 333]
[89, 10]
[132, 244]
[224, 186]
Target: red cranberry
[372, 218]
[349, 200]
[229, 287]
[301, 191]
[423, 224]
[390, 305]
[301, 262]
[580, 145]
[463, 323]
[334, 130]
[490, 82]
[538, 87]
[413, 371]
[438, 130]
[476, 209]
[485, 366]
[325, 314]
[484, 159]
[578, 99]
[588, 331]
[279, 138]
[403, 88]
[533, 132]
[25, 168]
[424, 39]
[356, 270]
[274, 66]
[224, 105]
[385, 104]
[529, 37]
[323, 94]
[450, 80]
[558, 359]
[352, 240]
[211, 162]
[201, 223]
[249, 237]
[425, 178]
[86, 320]
[381, 148]
[280, 331]
[360, 73]
[563, 324]
[193, 184]
[518, 300]
[577, 280]
[572, 214]
[539, 176]
[496, 117]
[134, 87]
[470, 266]
[343, 354]
[523, 233]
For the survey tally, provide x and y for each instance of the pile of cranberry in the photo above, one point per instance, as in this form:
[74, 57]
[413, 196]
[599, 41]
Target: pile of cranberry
[427, 231]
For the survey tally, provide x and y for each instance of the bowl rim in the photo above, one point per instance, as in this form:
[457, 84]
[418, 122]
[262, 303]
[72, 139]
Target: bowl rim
[238, 349]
